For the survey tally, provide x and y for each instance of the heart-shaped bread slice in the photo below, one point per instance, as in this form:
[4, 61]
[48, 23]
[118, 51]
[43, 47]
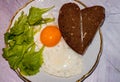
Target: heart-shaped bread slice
[78, 27]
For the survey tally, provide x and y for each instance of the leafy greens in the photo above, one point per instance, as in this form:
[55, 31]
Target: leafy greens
[20, 50]
[35, 15]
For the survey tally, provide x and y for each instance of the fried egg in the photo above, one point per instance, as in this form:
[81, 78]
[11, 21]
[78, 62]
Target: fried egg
[59, 60]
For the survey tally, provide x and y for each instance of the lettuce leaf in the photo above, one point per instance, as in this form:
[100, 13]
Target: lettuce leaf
[14, 55]
[20, 50]
[19, 25]
[35, 15]
[31, 62]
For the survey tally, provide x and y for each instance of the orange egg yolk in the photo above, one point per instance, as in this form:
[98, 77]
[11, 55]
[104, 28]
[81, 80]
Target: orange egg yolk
[50, 36]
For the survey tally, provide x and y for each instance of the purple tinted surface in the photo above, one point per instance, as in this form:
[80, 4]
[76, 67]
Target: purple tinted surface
[108, 70]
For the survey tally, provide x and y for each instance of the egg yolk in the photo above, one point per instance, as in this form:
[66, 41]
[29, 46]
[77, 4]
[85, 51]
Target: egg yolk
[50, 36]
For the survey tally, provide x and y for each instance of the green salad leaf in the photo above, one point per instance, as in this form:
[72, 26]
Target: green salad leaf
[32, 61]
[35, 15]
[19, 25]
[14, 55]
[20, 50]
[46, 20]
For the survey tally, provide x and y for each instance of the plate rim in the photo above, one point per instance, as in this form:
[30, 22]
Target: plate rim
[97, 59]
[80, 79]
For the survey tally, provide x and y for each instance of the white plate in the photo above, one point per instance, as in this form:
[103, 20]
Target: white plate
[90, 58]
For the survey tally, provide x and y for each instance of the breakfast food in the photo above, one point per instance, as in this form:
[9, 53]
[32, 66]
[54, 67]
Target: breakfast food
[78, 27]
[50, 36]
[62, 61]
[59, 60]
[92, 20]
[69, 24]
[34, 41]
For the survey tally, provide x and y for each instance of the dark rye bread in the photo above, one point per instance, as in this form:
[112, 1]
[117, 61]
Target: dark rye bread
[92, 19]
[78, 27]
[69, 25]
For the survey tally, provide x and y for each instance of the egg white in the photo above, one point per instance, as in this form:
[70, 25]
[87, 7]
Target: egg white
[59, 60]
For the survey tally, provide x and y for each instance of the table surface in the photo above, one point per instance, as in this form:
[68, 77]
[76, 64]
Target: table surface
[108, 69]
